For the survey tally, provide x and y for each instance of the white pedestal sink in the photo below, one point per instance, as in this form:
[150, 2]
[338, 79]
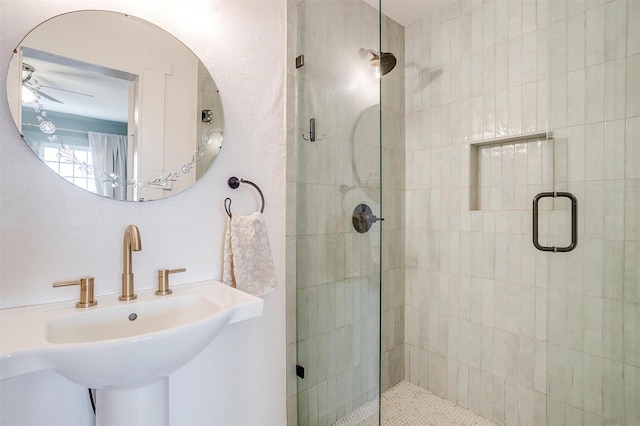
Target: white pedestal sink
[125, 350]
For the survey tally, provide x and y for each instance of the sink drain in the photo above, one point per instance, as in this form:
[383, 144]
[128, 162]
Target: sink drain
[132, 317]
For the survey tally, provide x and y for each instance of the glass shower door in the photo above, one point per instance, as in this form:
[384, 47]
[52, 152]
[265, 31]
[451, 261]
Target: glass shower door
[337, 149]
[593, 321]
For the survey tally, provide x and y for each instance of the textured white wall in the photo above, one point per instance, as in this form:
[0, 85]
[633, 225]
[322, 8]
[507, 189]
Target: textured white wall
[52, 231]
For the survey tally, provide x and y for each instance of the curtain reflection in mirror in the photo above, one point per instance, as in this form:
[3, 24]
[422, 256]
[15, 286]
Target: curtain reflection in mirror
[109, 154]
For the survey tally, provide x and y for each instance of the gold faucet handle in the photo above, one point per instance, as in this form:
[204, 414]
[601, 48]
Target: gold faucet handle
[163, 280]
[86, 291]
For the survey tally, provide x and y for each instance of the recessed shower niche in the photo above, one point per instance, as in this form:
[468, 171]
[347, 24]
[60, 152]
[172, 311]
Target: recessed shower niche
[506, 173]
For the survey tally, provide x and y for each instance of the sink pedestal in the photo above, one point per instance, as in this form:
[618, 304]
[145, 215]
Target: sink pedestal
[146, 406]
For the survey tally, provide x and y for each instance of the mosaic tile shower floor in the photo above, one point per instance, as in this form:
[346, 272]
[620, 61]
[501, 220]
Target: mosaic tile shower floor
[406, 404]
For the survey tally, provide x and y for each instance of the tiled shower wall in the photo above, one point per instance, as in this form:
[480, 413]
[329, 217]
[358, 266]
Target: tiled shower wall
[333, 272]
[593, 354]
[476, 290]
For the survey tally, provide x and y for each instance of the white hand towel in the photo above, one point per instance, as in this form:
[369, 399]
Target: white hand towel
[248, 263]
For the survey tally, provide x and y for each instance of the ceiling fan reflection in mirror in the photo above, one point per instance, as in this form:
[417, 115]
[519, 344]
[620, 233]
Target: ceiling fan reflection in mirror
[30, 90]
[32, 95]
[70, 86]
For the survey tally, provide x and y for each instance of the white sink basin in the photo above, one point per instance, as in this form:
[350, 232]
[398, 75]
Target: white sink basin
[102, 348]
[131, 320]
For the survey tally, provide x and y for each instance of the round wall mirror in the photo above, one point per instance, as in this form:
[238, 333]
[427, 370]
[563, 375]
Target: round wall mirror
[115, 105]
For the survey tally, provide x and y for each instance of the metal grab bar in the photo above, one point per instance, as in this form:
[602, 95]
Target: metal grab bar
[574, 221]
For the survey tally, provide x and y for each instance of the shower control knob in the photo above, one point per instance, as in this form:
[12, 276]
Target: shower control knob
[363, 218]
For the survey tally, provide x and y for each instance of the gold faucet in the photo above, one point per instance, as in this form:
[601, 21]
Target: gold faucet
[130, 243]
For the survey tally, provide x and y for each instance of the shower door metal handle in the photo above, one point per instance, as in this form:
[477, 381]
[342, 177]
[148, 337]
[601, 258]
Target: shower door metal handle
[574, 221]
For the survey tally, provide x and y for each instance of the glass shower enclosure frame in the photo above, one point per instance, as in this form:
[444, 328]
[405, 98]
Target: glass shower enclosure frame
[337, 171]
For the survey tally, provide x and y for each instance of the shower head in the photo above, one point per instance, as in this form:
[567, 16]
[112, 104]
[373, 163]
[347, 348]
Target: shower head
[384, 61]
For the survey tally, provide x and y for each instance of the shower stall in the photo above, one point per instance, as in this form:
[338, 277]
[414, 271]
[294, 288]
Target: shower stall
[503, 153]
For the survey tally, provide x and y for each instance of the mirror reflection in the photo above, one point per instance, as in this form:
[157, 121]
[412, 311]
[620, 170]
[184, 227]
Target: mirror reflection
[115, 105]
